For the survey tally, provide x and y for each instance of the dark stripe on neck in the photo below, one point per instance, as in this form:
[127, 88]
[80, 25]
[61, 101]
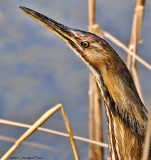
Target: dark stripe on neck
[121, 111]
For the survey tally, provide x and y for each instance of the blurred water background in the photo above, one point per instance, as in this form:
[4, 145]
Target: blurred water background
[37, 70]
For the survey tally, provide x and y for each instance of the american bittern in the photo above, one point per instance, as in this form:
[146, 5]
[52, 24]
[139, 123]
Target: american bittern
[126, 114]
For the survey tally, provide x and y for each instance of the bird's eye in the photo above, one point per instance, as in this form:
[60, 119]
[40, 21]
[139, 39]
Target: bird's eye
[85, 44]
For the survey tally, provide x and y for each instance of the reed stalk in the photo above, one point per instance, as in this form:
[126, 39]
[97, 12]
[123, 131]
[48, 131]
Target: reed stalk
[95, 111]
[134, 43]
[37, 124]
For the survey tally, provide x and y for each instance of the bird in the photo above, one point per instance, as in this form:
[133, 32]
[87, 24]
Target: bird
[126, 114]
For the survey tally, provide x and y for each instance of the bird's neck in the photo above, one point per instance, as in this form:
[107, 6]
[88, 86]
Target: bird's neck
[125, 142]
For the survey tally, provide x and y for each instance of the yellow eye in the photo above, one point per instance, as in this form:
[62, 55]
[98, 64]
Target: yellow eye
[85, 44]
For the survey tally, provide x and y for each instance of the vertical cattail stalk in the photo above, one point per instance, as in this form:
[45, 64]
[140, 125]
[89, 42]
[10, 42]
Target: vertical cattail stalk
[134, 42]
[95, 152]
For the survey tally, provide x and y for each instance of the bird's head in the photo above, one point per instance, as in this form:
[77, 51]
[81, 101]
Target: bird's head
[93, 50]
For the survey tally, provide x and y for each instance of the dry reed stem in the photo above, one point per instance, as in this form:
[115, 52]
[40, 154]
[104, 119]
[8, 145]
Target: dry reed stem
[95, 112]
[38, 123]
[134, 43]
[147, 142]
[12, 123]
[32, 144]
[91, 12]
[121, 45]
[73, 145]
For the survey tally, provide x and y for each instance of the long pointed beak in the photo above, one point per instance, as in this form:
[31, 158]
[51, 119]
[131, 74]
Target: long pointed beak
[63, 32]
